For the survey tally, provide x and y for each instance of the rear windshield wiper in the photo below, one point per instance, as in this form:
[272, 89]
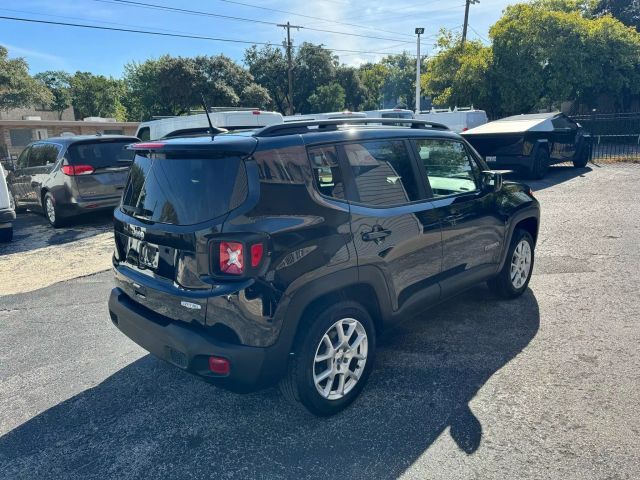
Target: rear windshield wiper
[137, 212]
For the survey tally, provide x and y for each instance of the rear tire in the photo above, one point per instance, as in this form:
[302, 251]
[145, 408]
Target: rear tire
[51, 211]
[583, 157]
[328, 370]
[540, 164]
[515, 275]
[6, 235]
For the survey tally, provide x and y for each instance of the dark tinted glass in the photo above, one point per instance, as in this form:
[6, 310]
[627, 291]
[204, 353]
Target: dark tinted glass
[450, 169]
[101, 154]
[383, 173]
[183, 191]
[326, 171]
[43, 154]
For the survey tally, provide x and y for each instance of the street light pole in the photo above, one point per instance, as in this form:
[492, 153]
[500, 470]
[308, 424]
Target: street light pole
[419, 31]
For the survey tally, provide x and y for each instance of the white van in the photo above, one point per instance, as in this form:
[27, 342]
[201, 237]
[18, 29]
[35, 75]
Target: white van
[324, 116]
[389, 113]
[459, 119]
[193, 124]
[7, 212]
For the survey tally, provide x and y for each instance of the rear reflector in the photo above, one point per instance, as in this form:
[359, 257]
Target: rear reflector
[147, 145]
[257, 249]
[74, 170]
[219, 365]
[256, 112]
[231, 258]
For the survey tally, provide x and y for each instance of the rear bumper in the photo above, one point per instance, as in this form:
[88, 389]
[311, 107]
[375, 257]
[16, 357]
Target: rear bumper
[79, 206]
[189, 347]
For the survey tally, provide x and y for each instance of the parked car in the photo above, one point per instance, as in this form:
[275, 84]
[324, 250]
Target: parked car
[390, 113]
[532, 142]
[198, 124]
[316, 238]
[459, 119]
[7, 211]
[67, 176]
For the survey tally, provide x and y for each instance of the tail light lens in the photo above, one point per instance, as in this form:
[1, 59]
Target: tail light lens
[75, 170]
[231, 258]
[238, 257]
[219, 365]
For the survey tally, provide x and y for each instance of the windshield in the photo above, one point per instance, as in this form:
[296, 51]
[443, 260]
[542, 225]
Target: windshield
[101, 154]
[183, 191]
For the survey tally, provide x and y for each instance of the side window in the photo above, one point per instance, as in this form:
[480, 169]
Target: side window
[287, 165]
[22, 159]
[43, 154]
[382, 172]
[144, 134]
[449, 167]
[326, 171]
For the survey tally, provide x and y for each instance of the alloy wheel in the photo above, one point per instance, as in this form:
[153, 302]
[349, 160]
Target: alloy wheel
[520, 264]
[51, 210]
[340, 358]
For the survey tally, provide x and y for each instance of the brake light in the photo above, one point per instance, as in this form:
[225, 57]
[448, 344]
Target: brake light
[256, 112]
[74, 170]
[257, 250]
[147, 145]
[232, 258]
[219, 365]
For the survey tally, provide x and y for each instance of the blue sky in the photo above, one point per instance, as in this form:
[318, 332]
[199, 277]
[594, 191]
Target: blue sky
[50, 47]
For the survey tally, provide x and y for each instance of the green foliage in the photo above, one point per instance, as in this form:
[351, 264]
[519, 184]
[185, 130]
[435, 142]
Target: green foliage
[459, 76]
[97, 95]
[59, 84]
[373, 77]
[175, 85]
[17, 88]
[268, 66]
[327, 98]
[314, 66]
[355, 92]
[627, 11]
[399, 85]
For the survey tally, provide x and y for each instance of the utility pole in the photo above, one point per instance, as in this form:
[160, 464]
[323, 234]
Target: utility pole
[419, 31]
[288, 26]
[466, 19]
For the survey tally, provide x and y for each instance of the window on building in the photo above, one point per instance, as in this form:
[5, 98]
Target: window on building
[20, 137]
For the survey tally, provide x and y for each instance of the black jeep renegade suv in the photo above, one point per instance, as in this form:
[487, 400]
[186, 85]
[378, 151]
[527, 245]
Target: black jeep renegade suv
[283, 253]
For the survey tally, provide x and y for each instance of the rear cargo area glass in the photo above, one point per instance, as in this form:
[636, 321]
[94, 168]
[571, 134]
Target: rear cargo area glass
[183, 191]
[101, 154]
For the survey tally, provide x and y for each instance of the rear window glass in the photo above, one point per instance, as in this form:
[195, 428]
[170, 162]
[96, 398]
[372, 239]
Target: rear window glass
[184, 191]
[101, 154]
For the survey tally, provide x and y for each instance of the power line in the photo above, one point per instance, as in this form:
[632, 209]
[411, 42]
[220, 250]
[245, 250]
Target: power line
[234, 18]
[166, 34]
[312, 17]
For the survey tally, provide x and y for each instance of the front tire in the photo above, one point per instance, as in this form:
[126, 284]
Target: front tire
[51, 211]
[583, 157]
[332, 362]
[515, 275]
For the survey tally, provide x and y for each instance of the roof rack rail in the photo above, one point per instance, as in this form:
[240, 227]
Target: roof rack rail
[307, 126]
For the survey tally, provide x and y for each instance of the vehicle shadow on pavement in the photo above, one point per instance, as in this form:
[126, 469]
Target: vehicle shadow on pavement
[32, 231]
[150, 420]
[556, 174]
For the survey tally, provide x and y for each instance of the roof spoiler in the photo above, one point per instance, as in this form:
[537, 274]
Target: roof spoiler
[291, 128]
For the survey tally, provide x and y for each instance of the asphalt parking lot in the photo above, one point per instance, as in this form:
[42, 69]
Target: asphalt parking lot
[546, 386]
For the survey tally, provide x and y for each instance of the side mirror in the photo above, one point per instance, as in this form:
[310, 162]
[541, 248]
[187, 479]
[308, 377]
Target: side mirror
[491, 181]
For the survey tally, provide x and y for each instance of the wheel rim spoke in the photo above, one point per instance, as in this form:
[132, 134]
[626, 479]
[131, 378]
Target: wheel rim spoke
[520, 264]
[340, 358]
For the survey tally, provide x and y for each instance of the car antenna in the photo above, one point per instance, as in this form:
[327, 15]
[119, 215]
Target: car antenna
[212, 130]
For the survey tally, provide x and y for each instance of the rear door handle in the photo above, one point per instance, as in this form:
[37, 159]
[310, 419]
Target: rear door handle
[376, 235]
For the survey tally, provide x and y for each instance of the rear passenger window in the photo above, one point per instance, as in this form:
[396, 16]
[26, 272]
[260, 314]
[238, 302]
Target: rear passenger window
[326, 171]
[449, 168]
[43, 154]
[382, 172]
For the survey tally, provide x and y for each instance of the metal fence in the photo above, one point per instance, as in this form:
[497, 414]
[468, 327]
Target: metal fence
[616, 136]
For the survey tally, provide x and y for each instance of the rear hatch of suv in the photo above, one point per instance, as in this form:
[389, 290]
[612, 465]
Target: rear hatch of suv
[100, 166]
[174, 205]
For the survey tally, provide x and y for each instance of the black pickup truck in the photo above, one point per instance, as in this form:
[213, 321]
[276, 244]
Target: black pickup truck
[531, 142]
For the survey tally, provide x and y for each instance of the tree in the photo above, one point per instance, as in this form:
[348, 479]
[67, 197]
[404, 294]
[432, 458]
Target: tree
[268, 66]
[314, 66]
[17, 88]
[256, 96]
[355, 92]
[97, 95]
[59, 84]
[327, 98]
[459, 75]
[627, 11]
[400, 82]
[373, 76]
